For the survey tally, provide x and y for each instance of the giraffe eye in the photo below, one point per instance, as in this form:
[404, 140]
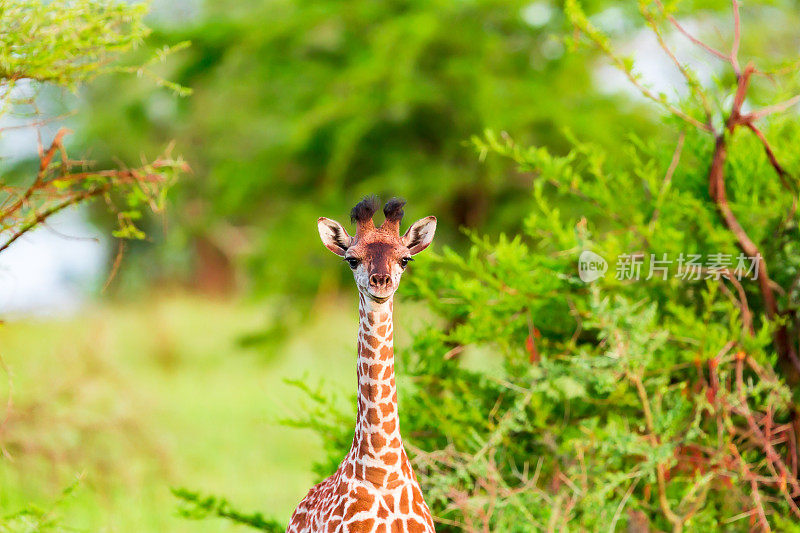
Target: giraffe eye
[353, 262]
[404, 261]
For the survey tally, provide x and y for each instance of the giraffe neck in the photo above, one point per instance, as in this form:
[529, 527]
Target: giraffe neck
[377, 447]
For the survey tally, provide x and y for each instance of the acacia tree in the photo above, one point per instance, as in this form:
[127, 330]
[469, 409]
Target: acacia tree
[651, 404]
[722, 123]
[47, 49]
[63, 44]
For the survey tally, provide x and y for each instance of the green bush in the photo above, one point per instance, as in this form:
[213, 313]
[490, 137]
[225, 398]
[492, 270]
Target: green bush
[539, 400]
[599, 399]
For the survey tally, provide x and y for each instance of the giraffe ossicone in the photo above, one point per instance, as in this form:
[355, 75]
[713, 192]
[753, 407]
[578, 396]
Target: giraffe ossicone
[374, 490]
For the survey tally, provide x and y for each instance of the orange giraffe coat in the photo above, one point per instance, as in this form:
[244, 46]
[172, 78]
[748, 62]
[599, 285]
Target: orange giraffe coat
[374, 489]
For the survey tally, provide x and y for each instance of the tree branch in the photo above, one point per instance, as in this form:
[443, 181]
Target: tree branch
[41, 217]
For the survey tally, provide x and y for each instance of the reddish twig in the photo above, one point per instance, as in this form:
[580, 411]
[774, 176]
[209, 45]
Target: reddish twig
[717, 192]
[115, 267]
[737, 37]
[44, 164]
[44, 215]
[695, 40]
[782, 174]
[776, 108]
[773, 459]
[762, 517]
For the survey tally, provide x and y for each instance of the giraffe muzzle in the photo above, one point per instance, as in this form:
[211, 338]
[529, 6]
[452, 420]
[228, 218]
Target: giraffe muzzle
[380, 287]
[380, 281]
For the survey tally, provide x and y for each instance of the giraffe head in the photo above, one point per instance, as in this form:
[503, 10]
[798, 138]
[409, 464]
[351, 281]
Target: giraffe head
[377, 255]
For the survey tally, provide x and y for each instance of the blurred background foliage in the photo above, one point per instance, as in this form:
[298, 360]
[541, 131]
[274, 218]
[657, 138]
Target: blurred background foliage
[301, 108]
[298, 109]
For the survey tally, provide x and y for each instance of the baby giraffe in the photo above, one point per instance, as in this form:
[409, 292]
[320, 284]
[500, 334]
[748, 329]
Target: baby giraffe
[374, 488]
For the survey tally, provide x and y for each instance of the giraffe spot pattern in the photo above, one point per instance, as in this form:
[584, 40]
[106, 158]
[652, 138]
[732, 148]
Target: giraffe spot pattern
[375, 475]
[374, 490]
[386, 353]
[390, 458]
[361, 526]
[377, 441]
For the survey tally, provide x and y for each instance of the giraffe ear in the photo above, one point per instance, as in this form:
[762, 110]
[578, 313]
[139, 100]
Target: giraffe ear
[333, 236]
[420, 234]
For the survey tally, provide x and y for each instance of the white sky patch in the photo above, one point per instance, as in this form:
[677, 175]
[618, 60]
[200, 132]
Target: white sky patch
[537, 14]
[53, 269]
[612, 20]
[17, 142]
[657, 71]
[176, 13]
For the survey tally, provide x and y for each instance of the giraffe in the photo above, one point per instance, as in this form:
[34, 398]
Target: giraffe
[374, 490]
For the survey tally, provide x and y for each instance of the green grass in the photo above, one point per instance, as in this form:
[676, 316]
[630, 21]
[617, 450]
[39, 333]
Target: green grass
[138, 398]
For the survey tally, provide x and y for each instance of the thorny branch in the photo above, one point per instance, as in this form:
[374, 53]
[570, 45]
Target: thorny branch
[727, 390]
[784, 343]
[56, 187]
[773, 458]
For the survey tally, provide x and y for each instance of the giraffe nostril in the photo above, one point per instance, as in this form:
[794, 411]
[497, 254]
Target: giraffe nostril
[380, 280]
